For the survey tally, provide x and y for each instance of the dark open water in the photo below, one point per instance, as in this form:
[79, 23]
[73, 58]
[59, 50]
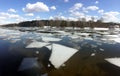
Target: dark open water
[80, 64]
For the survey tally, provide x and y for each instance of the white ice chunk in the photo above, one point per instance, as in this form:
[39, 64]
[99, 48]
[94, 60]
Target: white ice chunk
[49, 65]
[83, 34]
[60, 54]
[114, 61]
[98, 43]
[93, 46]
[62, 32]
[101, 49]
[28, 63]
[117, 40]
[93, 54]
[63, 65]
[37, 44]
[44, 74]
[111, 36]
[47, 39]
[14, 40]
[49, 47]
[101, 29]
[74, 37]
[88, 38]
[37, 52]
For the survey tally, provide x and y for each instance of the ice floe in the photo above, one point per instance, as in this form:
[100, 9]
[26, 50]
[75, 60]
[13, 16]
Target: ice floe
[83, 34]
[49, 47]
[74, 36]
[37, 52]
[14, 40]
[114, 61]
[48, 39]
[101, 49]
[101, 29]
[117, 40]
[114, 38]
[93, 54]
[60, 54]
[111, 36]
[37, 44]
[28, 63]
[44, 74]
[93, 46]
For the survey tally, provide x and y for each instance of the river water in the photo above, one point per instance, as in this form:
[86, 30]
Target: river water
[89, 60]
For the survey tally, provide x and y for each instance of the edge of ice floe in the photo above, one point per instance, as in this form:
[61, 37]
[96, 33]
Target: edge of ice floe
[60, 54]
[114, 61]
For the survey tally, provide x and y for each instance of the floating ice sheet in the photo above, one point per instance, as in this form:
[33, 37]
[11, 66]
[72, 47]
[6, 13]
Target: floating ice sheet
[114, 61]
[28, 63]
[49, 47]
[111, 36]
[74, 36]
[101, 29]
[37, 44]
[117, 40]
[93, 54]
[101, 49]
[14, 40]
[47, 39]
[44, 74]
[60, 54]
[88, 38]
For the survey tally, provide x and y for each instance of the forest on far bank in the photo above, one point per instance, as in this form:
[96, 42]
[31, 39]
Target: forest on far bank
[61, 23]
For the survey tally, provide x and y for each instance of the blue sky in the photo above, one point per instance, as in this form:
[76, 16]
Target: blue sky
[14, 11]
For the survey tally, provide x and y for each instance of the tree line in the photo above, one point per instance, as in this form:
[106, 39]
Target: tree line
[62, 23]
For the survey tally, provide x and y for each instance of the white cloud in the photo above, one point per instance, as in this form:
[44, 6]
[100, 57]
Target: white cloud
[84, 10]
[72, 19]
[14, 16]
[2, 18]
[92, 8]
[53, 8]
[78, 14]
[29, 14]
[37, 18]
[7, 15]
[20, 19]
[6, 18]
[101, 11]
[111, 16]
[12, 10]
[36, 7]
[66, 0]
[88, 17]
[61, 17]
[3, 14]
[51, 18]
[96, 2]
[95, 18]
[76, 7]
